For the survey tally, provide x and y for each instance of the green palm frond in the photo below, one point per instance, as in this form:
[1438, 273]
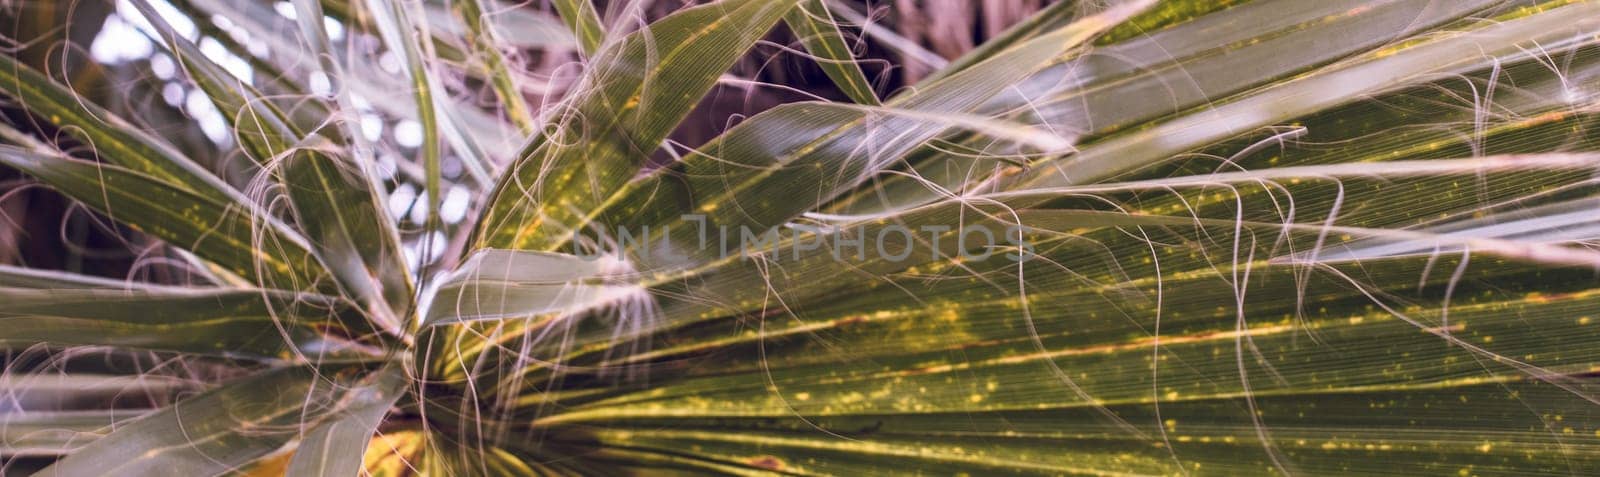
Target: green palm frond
[1218, 238]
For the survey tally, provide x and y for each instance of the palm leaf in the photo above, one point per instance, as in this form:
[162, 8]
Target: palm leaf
[333, 199]
[241, 323]
[114, 139]
[485, 41]
[236, 235]
[816, 29]
[212, 433]
[339, 445]
[633, 94]
[749, 176]
[584, 23]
